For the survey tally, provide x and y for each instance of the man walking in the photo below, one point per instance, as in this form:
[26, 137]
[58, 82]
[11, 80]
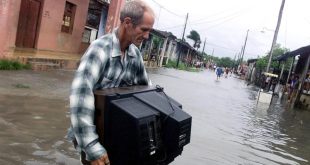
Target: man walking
[218, 72]
[113, 60]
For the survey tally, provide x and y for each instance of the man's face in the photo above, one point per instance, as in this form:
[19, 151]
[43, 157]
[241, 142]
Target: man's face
[141, 31]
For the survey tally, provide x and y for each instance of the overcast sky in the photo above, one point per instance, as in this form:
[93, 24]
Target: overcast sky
[224, 23]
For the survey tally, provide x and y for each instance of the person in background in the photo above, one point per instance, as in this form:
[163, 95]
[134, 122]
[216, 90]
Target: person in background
[288, 84]
[218, 72]
[306, 88]
[226, 72]
[293, 87]
[267, 83]
[113, 60]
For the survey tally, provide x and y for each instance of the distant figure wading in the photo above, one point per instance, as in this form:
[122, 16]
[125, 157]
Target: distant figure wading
[218, 72]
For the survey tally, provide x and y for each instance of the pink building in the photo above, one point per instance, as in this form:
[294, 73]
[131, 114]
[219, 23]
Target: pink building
[65, 27]
[43, 25]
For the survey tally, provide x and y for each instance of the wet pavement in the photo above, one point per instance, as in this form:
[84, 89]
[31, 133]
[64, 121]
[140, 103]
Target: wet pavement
[228, 127]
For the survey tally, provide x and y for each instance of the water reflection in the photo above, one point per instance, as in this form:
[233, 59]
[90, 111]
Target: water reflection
[228, 126]
[32, 131]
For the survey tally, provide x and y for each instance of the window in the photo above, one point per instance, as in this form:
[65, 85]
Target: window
[68, 18]
[106, 1]
[86, 35]
[89, 34]
[94, 14]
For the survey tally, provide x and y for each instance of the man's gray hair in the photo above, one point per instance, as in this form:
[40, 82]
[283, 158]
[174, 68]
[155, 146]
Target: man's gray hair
[134, 10]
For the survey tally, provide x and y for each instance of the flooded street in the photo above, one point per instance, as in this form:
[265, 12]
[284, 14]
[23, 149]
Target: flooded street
[228, 127]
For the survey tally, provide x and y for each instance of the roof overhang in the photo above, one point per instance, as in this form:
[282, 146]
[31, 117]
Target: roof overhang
[304, 51]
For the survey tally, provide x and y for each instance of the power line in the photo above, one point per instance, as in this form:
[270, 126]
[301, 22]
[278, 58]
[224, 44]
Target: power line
[181, 16]
[224, 21]
[217, 20]
[224, 18]
[158, 16]
[182, 40]
[219, 13]
[175, 26]
[223, 47]
[227, 19]
[208, 43]
[308, 21]
[220, 18]
[209, 21]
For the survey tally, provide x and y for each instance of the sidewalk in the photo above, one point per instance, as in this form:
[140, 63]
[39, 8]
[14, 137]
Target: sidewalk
[46, 84]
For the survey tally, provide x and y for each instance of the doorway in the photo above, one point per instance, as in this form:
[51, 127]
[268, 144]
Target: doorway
[28, 23]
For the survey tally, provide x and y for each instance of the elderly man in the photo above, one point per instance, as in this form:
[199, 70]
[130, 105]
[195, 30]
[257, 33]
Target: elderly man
[111, 61]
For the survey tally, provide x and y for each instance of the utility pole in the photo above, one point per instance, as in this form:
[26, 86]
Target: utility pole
[239, 57]
[234, 60]
[275, 35]
[158, 16]
[203, 49]
[179, 54]
[242, 52]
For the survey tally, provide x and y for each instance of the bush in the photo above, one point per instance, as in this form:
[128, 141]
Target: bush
[171, 64]
[12, 65]
[182, 66]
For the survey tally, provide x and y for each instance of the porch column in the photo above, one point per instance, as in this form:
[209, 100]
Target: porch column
[302, 78]
[278, 83]
[4, 14]
[174, 52]
[167, 54]
[162, 54]
[157, 54]
[113, 15]
[149, 52]
[103, 20]
[289, 73]
[170, 51]
[187, 61]
[281, 74]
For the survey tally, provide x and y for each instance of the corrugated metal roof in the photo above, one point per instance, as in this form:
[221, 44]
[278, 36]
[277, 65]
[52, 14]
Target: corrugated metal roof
[163, 34]
[304, 51]
[252, 60]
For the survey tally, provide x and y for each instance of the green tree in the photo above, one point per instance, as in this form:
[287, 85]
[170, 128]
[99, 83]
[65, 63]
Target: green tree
[277, 51]
[156, 42]
[215, 59]
[261, 63]
[194, 35]
[224, 61]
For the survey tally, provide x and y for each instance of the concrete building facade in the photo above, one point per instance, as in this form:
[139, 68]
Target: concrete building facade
[59, 26]
[42, 25]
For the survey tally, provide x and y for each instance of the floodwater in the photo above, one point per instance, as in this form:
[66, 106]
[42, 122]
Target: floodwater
[228, 126]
